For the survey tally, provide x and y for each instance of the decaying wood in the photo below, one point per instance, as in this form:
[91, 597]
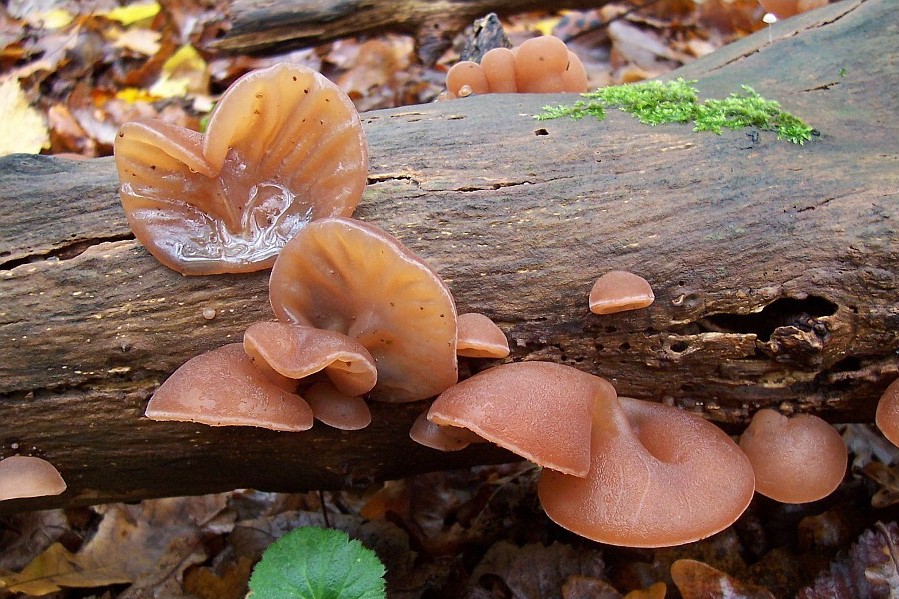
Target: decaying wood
[775, 267]
[268, 26]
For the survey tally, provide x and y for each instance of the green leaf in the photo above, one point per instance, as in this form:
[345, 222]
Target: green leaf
[318, 563]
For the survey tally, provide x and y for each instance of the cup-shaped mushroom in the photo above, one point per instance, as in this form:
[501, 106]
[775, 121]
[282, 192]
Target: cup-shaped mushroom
[283, 146]
[465, 78]
[795, 460]
[296, 352]
[539, 410]
[659, 476]
[223, 387]
[499, 68]
[541, 64]
[441, 438]
[347, 276]
[887, 415]
[479, 337]
[346, 412]
[619, 290]
[27, 476]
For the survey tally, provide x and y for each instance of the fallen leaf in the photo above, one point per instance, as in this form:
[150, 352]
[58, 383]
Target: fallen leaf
[697, 580]
[133, 13]
[653, 591]
[887, 479]
[24, 128]
[184, 72]
[587, 587]
[231, 584]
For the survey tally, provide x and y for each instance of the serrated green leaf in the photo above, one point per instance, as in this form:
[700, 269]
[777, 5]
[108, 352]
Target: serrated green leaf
[318, 563]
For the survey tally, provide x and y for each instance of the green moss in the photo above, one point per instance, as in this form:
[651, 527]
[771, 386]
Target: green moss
[656, 103]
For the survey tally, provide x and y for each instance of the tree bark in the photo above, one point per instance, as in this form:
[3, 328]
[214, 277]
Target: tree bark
[775, 268]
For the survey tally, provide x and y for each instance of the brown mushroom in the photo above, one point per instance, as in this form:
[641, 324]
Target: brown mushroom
[499, 69]
[337, 409]
[223, 387]
[795, 460]
[283, 146]
[479, 337]
[296, 352]
[347, 276]
[539, 410]
[619, 290]
[544, 65]
[26, 476]
[887, 415]
[466, 74]
[659, 476]
[442, 438]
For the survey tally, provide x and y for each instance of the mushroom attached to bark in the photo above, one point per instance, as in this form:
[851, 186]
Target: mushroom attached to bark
[479, 337]
[347, 276]
[796, 460]
[618, 291]
[659, 476]
[887, 415]
[223, 387]
[283, 146]
[442, 438]
[337, 409]
[539, 410]
[27, 476]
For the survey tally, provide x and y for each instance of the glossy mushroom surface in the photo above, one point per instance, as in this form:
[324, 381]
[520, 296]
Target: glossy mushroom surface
[441, 438]
[795, 460]
[348, 276]
[479, 337]
[659, 476]
[539, 410]
[618, 291]
[336, 409]
[283, 146]
[223, 387]
[887, 415]
[27, 476]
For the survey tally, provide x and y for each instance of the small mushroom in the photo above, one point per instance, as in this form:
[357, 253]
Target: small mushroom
[441, 438]
[26, 476]
[351, 277]
[795, 460]
[223, 387]
[619, 290]
[296, 352]
[337, 409]
[479, 337]
[659, 476]
[467, 73]
[539, 410]
[499, 69]
[283, 146]
[887, 415]
[541, 65]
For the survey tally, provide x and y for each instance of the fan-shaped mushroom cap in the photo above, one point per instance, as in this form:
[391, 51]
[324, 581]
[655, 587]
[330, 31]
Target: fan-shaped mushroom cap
[222, 387]
[887, 415]
[346, 412]
[479, 337]
[295, 352]
[442, 438]
[283, 146]
[539, 410]
[499, 68]
[796, 459]
[26, 476]
[619, 290]
[467, 73]
[351, 277]
[659, 476]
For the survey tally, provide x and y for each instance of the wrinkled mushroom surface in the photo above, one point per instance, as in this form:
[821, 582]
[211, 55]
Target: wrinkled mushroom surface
[348, 276]
[27, 476]
[659, 476]
[284, 146]
[223, 387]
[795, 460]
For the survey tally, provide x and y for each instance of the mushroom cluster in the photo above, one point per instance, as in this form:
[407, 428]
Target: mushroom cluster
[541, 65]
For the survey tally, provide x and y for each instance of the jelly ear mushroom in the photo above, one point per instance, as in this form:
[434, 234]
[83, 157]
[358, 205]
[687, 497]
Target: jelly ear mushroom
[223, 387]
[26, 476]
[441, 438]
[539, 410]
[337, 409]
[296, 352]
[796, 460]
[351, 277]
[618, 291]
[887, 415]
[544, 65]
[659, 476]
[479, 337]
[499, 69]
[283, 146]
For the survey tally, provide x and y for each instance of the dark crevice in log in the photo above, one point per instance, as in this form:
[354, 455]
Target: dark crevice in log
[782, 312]
[65, 252]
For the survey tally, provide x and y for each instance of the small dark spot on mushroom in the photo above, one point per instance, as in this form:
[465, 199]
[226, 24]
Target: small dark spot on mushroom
[441, 316]
[121, 135]
[258, 95]
[541, 132]
[257, 112]
[392, 304]
[153, 167]
[294, 77]
[305, 91]
[327, 100]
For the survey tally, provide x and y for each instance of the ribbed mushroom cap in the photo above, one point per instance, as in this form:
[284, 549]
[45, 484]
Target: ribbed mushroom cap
[479, 337]
[539, 410]
[351, 277]
[795, 460]
[887, 415]
[466, 73]
[441, 438]
[346, 412]
[296, 352]
[283, 146]
[222, 387]
[659, 476]
[499, 69]
[619, 290]
[26, 476]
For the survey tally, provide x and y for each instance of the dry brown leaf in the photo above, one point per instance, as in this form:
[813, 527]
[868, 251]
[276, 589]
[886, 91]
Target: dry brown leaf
[24, 128]
[587, 587]
[232, 584]
[696, 580]
[887, 479]
[653, 591]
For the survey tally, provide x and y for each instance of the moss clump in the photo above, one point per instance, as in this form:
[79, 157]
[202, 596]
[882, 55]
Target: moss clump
[656, 102]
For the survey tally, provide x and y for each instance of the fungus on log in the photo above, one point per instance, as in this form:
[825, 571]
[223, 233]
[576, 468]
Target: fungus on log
[775, 286]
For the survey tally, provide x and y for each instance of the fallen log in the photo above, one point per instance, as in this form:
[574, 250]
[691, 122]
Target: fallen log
[775, 268]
